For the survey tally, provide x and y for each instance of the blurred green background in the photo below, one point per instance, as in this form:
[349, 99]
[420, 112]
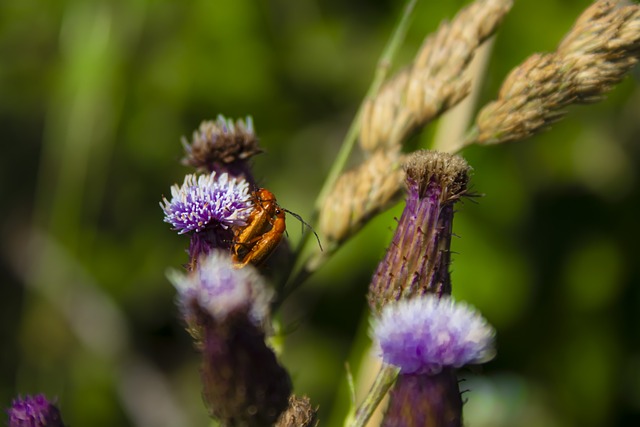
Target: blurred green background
[94, 97]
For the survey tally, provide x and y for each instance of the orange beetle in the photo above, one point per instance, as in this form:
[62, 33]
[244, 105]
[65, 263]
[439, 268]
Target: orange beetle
[254, 242]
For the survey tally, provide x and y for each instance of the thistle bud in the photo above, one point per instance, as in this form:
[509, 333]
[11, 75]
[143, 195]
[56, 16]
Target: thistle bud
[34, 411]
[417, 262]
[226, 310]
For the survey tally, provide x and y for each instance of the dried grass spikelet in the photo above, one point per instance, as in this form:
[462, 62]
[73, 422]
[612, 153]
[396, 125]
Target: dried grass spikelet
[435, 82]
[602, 46]
[526, 101]
[361, 193]
[594, 56]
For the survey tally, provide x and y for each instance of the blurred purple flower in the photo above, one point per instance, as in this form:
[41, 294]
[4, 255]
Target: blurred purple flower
[34, 411]
[227, 312]
[218, 288]
[425, 334]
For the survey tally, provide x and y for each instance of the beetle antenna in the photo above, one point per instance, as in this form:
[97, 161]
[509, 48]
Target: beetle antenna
[304, 223]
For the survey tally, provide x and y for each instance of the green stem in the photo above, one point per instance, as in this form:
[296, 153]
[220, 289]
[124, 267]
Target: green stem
[302, 273]
[383, 382]
[382, 69]
[470, 138]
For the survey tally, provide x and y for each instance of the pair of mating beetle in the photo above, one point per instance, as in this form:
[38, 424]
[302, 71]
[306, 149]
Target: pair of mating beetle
[254, 242]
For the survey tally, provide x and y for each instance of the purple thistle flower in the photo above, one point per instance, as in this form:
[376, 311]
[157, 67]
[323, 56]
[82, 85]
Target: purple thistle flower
[34, 411]
[227, 310]
[207, 201]
[425, 334]
[218, 288]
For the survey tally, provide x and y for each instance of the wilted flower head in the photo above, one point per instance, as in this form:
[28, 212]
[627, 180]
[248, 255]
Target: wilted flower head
[207, 200]
[223, 146]
[417, 261]
[34, 411]
[425, 334]
[300, 413]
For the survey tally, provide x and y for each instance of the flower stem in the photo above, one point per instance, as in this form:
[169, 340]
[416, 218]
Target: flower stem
[382, 69]
[384, 380]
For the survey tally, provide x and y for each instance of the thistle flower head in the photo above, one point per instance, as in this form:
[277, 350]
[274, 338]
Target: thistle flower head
[222, 146]
[226, 310]
[438, 177]
[34, 411]
[218, 288]
[425, 334]
[207, 200]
